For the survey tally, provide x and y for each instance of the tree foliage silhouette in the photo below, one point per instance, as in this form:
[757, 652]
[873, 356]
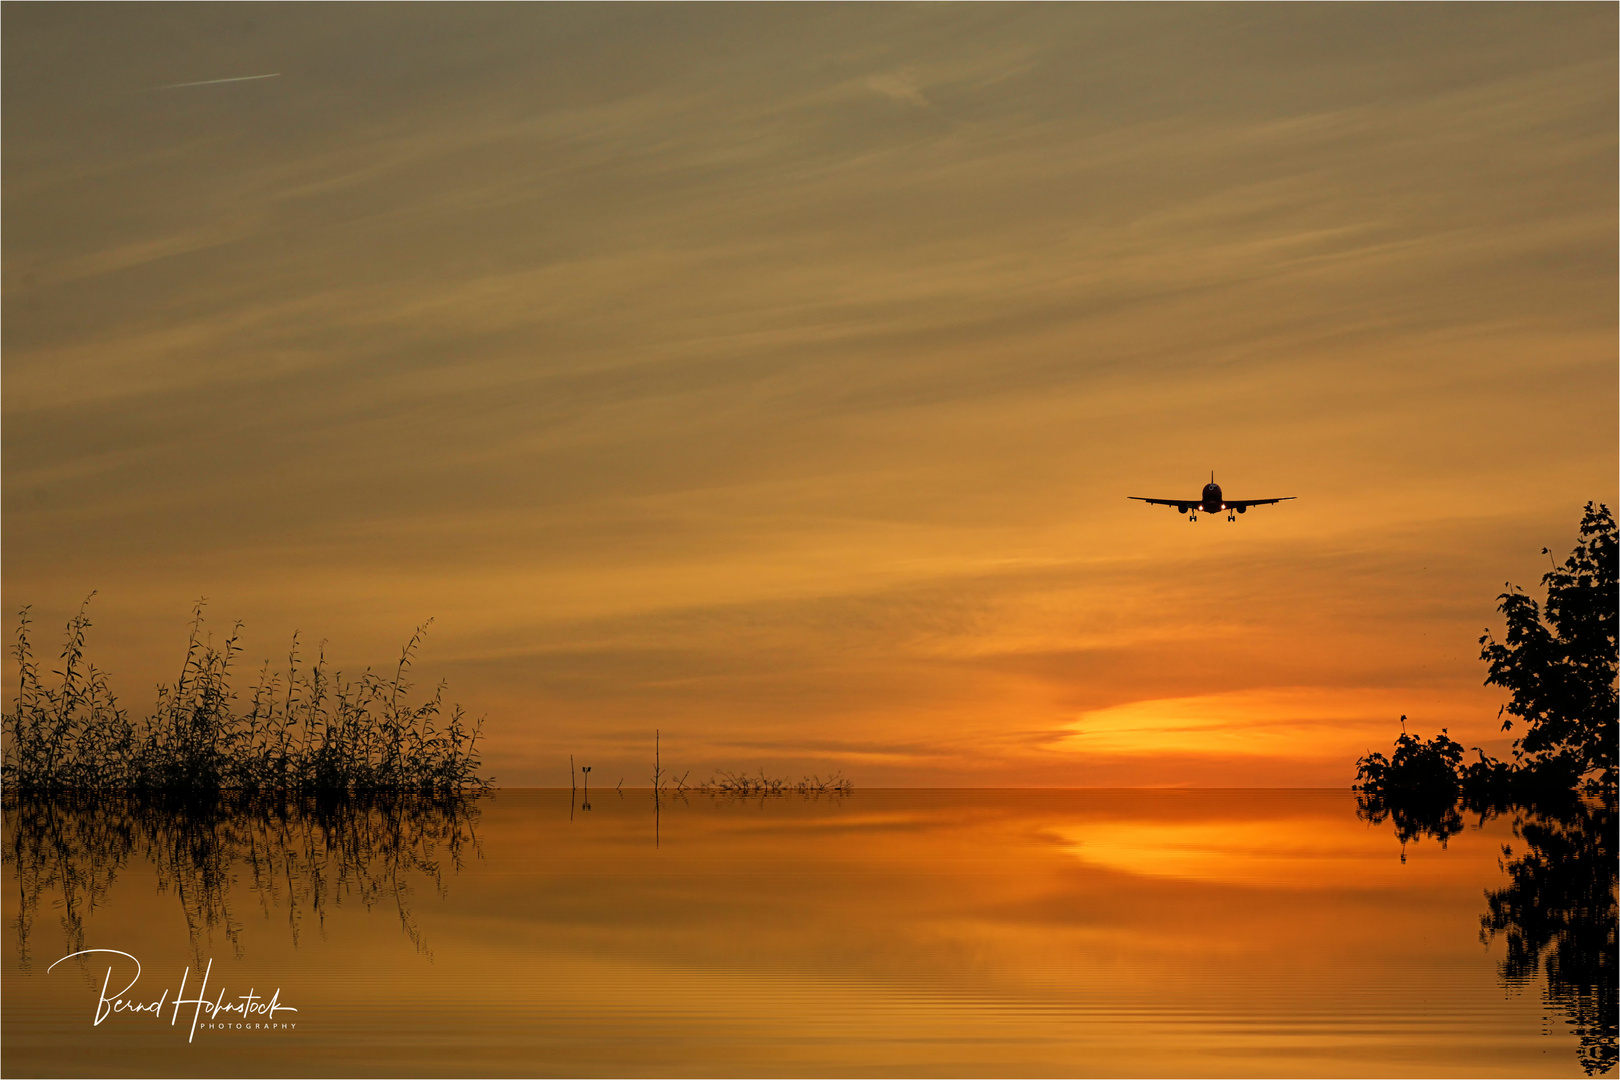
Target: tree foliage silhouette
[1558, 660]
[1420, 772]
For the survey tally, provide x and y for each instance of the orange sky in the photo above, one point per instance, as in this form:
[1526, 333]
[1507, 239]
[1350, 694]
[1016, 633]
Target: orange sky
[775, 376]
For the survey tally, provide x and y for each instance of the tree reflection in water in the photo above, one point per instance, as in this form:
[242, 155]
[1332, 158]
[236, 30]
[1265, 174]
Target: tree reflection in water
[1413, 819]
[296, 853]
[1556, 916]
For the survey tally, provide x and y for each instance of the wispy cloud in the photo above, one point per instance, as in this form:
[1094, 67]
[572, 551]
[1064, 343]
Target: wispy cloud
[783, 376]
[216, 82]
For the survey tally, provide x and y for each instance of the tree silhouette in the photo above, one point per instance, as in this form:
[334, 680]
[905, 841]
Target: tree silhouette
[1558, 662]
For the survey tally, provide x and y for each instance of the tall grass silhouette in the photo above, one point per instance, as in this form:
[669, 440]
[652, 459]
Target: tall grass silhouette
[301, 730]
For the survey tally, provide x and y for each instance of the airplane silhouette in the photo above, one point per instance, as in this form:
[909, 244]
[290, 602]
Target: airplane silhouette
[1211, 502]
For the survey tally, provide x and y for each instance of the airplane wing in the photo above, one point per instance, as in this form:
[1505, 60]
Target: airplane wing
[1164, 502]
[1235, 503]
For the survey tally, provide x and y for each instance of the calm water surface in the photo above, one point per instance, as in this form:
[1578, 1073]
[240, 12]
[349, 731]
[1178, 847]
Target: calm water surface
[886, 932]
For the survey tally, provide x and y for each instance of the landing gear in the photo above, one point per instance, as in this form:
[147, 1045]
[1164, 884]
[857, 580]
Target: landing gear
[1192, 517]
[1230, 516]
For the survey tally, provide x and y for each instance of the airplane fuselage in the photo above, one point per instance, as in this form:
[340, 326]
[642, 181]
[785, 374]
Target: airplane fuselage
[1212, 501]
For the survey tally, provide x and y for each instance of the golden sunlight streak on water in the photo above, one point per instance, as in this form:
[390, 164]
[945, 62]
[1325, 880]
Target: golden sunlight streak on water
[890, 933]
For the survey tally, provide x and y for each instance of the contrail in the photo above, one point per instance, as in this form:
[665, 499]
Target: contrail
[212, 82]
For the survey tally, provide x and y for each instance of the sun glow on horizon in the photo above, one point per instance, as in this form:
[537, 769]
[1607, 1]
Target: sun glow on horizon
[776, 377]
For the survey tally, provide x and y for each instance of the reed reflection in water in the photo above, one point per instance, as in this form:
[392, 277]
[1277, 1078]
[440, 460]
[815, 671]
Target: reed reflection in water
[297, 856]
[885, 932]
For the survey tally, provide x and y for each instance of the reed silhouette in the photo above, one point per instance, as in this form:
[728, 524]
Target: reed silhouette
[302, 730]
[298, 853]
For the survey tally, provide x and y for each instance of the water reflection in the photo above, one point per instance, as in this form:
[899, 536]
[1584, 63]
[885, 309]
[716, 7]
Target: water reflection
[297, 855]
[1414, 820]
[1556, 916]
[887, 932]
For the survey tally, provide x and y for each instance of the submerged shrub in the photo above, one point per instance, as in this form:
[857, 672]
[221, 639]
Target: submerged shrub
[302, 730]
[1419, 770]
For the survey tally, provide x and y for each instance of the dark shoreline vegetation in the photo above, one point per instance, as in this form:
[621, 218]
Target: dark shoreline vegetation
[1558, 663]
[1557, 915]
[726, 783]
[729, 783]
[303, 731]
